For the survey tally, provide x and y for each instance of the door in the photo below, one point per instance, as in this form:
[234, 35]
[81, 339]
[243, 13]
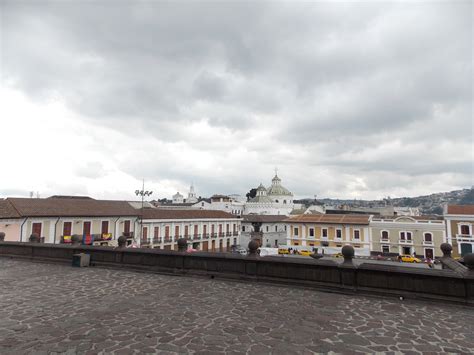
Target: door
[205, 246]
[86, 228]
[67, 228]
[145, 233]
[406, 250]
[126, 228]
[104, 228]
[466, 248]
[429, 254]
[213, 245]
[36, 229]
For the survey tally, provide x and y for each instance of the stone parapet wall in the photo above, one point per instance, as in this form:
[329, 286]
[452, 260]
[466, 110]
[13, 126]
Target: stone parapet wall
[396, 280]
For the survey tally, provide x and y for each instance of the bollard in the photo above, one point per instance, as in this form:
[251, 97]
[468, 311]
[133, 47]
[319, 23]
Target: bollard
[446, 248]
[182, 245]
[348, 253]
[122, 242]
[253, 247]
[81, 260]
[34, 238]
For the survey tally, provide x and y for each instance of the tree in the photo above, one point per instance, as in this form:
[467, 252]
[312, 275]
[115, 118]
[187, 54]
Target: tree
[251, 194]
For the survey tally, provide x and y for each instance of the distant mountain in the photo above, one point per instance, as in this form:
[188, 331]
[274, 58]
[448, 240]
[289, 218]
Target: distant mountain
[429, 204]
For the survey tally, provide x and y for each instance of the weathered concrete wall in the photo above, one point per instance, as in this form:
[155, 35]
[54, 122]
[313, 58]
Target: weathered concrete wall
[390, 280]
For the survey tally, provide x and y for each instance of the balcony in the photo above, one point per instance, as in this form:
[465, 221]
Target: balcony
[228, 234]
[406, 241]
[213, 235]
[428, 242]
[464, 238]
[384, 240]
[156, 240]
[205, 235]
[221, 234]
[235, 234]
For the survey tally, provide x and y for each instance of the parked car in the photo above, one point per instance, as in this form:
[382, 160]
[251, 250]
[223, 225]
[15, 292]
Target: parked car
[304, 252]
[283, 251]
[409, 259]
[338, 255]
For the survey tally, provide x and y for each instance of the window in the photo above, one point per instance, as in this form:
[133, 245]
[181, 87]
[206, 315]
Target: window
[67, 228]
[428, 237]
[408, 235]
[284, 201]
[186, 231]
[276, 228]
[196, 229]
[204, 229]
[156, 232]
[338, 233]
[296, 231]
[167, 232]
[385, 235]
[405, 236]
[385, 249]
[356, 234]
[145, 233]
[325, 233]
[285, 228]
[176, 231]
[311, 232]
[243, 228]
[402, 235]
[105, 227]
[465, 229]
[268, 228]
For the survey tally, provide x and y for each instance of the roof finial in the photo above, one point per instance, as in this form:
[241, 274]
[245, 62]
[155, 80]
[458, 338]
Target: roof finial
[276, 171]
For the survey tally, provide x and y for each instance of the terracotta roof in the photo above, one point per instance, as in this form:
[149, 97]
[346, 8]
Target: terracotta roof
[461, 209]
[264, 218]
[329, 219]
[158, 213]
[7, 210]
[70, 207]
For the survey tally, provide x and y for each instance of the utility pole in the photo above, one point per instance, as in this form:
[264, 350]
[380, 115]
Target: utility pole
[142, 193]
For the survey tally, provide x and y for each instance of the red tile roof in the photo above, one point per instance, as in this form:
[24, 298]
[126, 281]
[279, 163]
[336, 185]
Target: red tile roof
[159, 213]
[69, 207]
[461, 209]
[329, 219]
[7, 210]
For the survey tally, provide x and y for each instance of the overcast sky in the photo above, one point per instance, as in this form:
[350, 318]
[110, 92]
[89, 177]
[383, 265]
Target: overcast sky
[348, 100]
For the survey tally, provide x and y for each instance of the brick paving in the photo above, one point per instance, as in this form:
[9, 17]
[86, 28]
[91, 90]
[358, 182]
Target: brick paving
[49, 308]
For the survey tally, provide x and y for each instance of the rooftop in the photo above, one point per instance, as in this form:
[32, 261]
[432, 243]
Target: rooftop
[160, 213]
[461, 209]
[329, 219]
[56, 308]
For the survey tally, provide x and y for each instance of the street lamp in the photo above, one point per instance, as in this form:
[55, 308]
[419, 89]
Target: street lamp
[142, 193]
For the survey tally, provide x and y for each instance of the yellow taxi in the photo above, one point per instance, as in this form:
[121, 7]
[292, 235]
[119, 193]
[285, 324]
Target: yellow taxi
[409, 259]
[338, 255]
[283, 251]
[304, 252]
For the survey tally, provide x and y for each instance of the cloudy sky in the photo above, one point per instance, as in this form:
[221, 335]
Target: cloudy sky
[348, 100]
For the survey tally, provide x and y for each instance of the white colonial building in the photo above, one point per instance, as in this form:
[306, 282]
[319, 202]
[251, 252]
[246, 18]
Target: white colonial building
[276, 200]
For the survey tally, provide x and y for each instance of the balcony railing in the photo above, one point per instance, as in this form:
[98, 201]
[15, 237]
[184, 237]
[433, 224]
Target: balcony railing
[221, 234]
[205, 235]
[235, 234]
[428, 242]
[228, 234]
[405, 241]
[213, 235]
[464, 237]
[384, 240]
[156, 240]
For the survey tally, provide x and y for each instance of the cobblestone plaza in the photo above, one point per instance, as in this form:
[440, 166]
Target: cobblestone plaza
[51, 308]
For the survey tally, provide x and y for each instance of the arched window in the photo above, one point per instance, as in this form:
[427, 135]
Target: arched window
[428, 237]
[465, 229]
[384, 234]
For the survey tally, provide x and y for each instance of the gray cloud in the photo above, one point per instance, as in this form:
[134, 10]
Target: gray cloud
[359, 88]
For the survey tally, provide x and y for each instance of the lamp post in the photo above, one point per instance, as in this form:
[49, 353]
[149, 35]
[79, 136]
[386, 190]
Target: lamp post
[142, 193]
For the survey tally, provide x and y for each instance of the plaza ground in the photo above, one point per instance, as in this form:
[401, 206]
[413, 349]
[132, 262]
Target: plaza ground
[52, 308]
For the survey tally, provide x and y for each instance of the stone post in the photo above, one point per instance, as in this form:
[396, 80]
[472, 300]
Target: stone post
[182, 245]
[2, 236]
[122, 241]
[348, 254]
[446, 248]
[469, 261]
[253, 248]
[34, 238]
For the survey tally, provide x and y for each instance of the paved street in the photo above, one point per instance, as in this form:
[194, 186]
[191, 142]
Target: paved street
[48, 308]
